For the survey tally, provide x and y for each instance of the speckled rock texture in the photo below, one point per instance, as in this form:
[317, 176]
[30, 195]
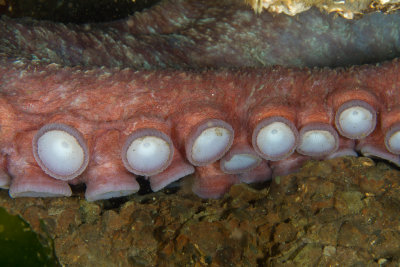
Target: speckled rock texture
[340, 212]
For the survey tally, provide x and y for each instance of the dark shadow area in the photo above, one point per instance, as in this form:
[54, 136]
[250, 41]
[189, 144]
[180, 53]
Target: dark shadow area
[73, 11]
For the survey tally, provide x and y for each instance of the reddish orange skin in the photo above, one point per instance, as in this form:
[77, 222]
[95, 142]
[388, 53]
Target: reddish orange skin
[211, 182]
[105, 104]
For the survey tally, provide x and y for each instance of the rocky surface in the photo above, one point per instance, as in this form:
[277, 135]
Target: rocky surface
[340, 212]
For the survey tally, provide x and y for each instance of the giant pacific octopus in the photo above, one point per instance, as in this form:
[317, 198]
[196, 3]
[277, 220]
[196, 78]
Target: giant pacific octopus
[102, 104]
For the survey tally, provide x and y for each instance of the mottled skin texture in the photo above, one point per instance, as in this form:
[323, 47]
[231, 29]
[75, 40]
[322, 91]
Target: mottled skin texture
[104, 105]
[200, 34]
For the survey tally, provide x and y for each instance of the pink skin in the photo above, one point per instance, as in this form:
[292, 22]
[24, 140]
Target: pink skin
[315, 115]
[264, 123]
[374, 146]
[346, 148]
[4, 177]
[242, 142]
[192, 123]
[211, 182]
[345, 97]
[240, 147]
[28, 178]
[106, 106]
[277, 105]
[289, 165]
[196, 131]
[107, 177]
[178, 169]
[259, 174]
[379, 88]
[391, 130]
[4, 180]
[67, 129]
[355, 103]
[318, 126]
[142, 127]
[390, 110]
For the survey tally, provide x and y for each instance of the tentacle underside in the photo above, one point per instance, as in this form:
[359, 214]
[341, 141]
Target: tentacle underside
[227, 126]
[64, 120]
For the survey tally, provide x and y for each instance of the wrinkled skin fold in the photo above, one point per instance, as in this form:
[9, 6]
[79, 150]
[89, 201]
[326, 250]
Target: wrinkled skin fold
[78, 106]
[107, 105]
[201, 34]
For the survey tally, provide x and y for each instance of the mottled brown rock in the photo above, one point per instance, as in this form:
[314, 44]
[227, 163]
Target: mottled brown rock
[321, 215]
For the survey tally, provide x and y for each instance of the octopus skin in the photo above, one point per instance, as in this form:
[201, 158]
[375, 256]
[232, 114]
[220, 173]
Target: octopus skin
[105, 126]
[76, 108]
[202, 34]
